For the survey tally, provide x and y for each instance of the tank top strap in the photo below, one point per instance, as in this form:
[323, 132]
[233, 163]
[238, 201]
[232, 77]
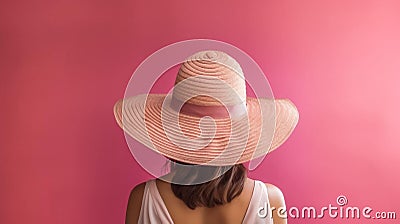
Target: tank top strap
[259, 210]
[153, 209]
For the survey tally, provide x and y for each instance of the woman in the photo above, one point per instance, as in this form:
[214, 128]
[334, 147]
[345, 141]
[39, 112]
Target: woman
[207, 182]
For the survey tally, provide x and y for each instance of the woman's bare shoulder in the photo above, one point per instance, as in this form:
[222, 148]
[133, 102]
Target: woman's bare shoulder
[134, 203]
[277, 203]
[138, 190]
[274, 193]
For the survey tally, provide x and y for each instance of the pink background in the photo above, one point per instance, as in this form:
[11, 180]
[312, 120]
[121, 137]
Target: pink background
[64, 63]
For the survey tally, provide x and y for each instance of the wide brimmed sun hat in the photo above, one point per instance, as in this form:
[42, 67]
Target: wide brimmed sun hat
[208, 118]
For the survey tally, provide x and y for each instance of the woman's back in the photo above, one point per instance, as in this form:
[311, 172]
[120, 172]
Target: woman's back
[156, 203]
[233, 212]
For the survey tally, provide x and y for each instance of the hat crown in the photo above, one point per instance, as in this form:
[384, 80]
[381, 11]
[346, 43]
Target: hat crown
[210, 78]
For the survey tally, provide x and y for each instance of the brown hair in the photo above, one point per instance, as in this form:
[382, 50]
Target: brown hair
[218, 191]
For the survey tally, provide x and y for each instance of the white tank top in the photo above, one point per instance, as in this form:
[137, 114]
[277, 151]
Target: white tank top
[154, 211]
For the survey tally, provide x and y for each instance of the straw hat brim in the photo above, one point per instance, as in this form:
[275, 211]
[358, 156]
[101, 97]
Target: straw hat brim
[266, 126]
